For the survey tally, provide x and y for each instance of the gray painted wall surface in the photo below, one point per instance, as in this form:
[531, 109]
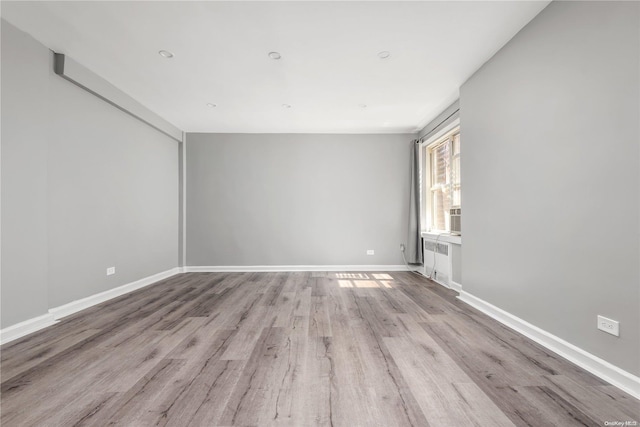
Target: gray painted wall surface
[296, 199]
[113, 196]
[24, 177]
[181, 194]
[551, 176]
[456, 258]
[97, 188]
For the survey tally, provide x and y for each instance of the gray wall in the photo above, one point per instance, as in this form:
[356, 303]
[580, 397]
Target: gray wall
[296, 199]
[25, 71]
[84, 187]
[551, 176]
[456, 257]
[113, 196]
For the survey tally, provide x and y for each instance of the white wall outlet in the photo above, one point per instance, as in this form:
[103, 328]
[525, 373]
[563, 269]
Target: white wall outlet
[609, 326]
[370, 252]
[401, 247]
[111, 270]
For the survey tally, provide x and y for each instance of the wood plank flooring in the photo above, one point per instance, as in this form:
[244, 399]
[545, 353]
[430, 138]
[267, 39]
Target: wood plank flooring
[295, 349]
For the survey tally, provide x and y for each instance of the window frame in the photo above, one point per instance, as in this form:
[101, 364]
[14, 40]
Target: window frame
[426, 182]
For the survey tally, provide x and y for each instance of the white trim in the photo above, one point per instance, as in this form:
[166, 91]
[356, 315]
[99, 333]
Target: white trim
[443, 236]
[25, 328]
[455, 286]
[281, 268]
[440, 283]
[598, 367]
[442, 132]
[451, 285]
[416, 268]
[81, 304]
[426, 145]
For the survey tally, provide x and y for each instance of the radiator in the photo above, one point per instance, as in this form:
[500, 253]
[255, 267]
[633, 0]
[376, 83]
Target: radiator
[439, 252]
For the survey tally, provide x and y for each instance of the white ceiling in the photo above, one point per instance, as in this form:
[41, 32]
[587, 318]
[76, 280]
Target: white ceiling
[329, 64]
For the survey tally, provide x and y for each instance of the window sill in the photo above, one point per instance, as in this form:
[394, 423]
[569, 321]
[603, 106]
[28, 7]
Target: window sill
[444, 237]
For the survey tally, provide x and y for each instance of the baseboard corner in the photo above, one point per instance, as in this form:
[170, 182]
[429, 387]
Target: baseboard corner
[455, 286]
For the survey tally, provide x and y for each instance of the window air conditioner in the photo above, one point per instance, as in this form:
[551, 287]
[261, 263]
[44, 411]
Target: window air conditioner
[455, 214]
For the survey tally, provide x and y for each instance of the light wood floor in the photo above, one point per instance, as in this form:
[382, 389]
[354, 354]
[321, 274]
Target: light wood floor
[295, 349]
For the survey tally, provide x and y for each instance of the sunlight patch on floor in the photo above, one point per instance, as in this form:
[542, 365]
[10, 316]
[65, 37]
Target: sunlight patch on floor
[366, 284]
[352, 276]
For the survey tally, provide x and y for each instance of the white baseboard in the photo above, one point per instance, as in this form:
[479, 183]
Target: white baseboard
[587, 361]
[447, 285]
[35, 324]
[455, 286]
[25, 328]
[283, 268]
[78, 305]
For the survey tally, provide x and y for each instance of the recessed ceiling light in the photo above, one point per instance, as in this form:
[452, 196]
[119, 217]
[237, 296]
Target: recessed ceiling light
[384, 54]
[274, 55]
[210, 105]
[165, 54]
[286, 106]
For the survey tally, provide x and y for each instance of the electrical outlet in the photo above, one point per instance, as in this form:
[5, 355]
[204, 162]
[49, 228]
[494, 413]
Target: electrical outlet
[401, 247]
[370, 252]
[111, 270]
[609, 326]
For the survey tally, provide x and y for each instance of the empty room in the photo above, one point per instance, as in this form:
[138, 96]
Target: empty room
[320, 213]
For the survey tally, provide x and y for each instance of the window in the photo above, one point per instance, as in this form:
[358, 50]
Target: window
[441, 177]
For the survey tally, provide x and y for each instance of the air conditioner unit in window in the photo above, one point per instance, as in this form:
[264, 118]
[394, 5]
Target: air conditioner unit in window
[455, 214]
